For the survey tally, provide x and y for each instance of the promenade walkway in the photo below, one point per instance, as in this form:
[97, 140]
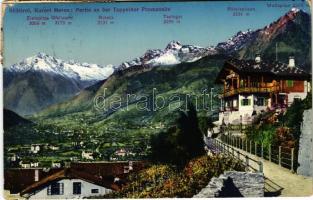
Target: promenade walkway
[281, 181]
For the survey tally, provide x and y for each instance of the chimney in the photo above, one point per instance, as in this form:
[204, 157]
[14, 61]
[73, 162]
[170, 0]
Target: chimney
[257, 58]
[291, 63]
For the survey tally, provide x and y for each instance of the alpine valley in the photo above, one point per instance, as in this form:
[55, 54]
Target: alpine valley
[60, 96]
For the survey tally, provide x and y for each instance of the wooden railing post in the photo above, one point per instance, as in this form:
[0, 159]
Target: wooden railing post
[251, 146]
[246, 145]
[269, 153]
[292, 159]
[238, 155]
[247, 163]
[260, 166]
[279, 155]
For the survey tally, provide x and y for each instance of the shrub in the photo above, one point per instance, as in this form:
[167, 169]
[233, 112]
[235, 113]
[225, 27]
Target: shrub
[159, 181]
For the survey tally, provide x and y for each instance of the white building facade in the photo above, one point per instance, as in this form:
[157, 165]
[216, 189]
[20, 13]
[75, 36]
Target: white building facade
[254, 86]
[68, 189]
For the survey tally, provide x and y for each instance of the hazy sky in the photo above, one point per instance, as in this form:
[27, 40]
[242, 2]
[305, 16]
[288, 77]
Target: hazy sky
[202, 24]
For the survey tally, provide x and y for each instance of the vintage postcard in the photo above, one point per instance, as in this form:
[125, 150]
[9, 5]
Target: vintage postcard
[157, 99]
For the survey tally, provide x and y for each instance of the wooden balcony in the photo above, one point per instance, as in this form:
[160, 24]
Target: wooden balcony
[242, 90]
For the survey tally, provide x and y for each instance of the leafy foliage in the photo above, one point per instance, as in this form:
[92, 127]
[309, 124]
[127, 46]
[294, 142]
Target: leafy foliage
[294, 115]
[160, 181]
[265, 134]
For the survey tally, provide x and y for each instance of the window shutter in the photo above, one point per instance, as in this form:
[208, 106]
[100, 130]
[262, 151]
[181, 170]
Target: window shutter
[289, 83]
[249, 102]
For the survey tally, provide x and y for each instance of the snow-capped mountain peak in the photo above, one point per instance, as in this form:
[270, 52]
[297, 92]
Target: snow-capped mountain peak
[79, 71]
[173, 45]
[236, 42]
[295, 10]
[174, 53]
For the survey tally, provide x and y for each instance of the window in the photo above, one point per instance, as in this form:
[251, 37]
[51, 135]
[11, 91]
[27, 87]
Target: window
[77, 187]
[245, 102]
[94, 191]
[289, 83]
[56, 189]
[260, 101]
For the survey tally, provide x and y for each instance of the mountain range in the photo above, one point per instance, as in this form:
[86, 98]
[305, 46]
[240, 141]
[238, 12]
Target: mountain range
[173, 54]
[288, 35]
[42, 80]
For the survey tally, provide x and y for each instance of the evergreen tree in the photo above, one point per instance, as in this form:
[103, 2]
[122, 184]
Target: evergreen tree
[181, 143]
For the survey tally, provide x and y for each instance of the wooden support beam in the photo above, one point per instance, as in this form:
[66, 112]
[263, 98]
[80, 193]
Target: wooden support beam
[238, 81]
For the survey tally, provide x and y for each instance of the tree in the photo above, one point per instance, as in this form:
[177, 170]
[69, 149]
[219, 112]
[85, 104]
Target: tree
[205, 124]
[180, 143]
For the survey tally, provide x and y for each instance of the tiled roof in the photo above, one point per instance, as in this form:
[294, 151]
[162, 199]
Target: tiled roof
[275, 68]
[70, 174]
[17, 179]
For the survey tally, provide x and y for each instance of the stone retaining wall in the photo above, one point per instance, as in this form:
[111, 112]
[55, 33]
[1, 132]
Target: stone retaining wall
[234, 184]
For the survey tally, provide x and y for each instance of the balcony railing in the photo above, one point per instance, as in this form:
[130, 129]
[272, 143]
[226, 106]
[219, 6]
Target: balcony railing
[231, 92]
